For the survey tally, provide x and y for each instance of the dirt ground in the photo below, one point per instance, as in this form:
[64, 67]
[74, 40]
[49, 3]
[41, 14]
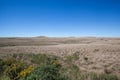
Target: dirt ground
[95, 54]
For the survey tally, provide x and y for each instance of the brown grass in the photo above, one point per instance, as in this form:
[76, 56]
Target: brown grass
[103, 54]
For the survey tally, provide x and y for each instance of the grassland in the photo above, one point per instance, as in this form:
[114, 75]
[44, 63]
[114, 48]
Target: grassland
[87, 58]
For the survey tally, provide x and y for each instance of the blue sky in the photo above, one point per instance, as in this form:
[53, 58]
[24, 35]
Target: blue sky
[20, 18]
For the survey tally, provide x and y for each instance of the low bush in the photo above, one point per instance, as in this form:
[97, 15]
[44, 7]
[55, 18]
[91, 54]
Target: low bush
[47, 71]
[4, 78]
[13, 67]
[1, 66]
[25, 72]
[93, 76]
[108, 77]
[41, 58]
[10, 61]
[73, 57]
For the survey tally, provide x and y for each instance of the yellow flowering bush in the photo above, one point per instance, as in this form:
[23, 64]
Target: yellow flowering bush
[25, 72]
[13, 68]
[55, 62]
[10, 61]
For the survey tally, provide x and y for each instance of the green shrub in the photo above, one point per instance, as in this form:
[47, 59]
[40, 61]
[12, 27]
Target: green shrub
[1, 66]
[39, 58]
[42, 58]
[93, 76]
[4, 78]
[81, 77]
[47, 71]
[75, 71]
[108, 77]
[31, 77]
[9, 61]
[73, 57]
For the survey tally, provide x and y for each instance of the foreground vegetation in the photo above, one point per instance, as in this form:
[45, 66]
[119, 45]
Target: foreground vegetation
[45, 67]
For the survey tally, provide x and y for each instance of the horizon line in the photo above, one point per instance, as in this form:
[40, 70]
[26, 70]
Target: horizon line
[59, 36]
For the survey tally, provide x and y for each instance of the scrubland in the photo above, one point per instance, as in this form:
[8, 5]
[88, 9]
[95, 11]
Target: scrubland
[71, 58]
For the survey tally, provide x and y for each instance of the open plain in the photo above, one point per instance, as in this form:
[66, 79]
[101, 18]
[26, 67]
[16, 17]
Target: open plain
[97, 55]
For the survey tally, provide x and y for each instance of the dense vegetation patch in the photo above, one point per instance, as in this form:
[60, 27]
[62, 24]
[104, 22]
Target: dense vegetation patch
[45, 67]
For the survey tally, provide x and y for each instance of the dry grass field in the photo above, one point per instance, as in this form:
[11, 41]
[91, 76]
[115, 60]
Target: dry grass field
[97, 55]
